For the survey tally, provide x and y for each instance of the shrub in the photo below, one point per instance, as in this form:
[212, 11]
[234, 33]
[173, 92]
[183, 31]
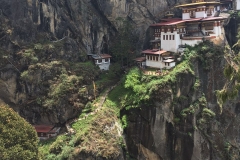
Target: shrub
[18, 139]
[124, 121]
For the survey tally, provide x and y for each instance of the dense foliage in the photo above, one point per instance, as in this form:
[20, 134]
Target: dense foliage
[231, 73]
[124, 45]
[18, 139]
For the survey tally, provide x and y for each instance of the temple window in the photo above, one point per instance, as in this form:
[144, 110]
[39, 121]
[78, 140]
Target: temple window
[173, 37]
[163, 37]
[166, 37]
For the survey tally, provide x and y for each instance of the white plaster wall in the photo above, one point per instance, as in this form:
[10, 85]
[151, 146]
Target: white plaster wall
[155, 64]
[159, 64]
[104, 65]
[216, 30]
[237, 4]
[185, 15]
[170, 45]
[191, 42]
[214, 11]
[170, 65]
[219, 30]
[200, 14]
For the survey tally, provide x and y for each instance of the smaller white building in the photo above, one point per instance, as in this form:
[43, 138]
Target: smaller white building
[102, 60]
[158, 59]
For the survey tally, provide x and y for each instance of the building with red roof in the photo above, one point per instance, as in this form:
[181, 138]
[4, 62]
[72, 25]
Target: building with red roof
[158, 58]
[46, 131]
[102, 60]
[200, 21]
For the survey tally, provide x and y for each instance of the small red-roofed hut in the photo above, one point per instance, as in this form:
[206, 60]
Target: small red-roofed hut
[46, 131]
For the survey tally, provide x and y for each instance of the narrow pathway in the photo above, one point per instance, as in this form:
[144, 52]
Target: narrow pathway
[99, 106]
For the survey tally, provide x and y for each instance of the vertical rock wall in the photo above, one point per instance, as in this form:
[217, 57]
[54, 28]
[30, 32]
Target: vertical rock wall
[161, 130]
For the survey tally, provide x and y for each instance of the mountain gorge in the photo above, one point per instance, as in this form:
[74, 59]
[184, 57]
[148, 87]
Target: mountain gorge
[46, 77]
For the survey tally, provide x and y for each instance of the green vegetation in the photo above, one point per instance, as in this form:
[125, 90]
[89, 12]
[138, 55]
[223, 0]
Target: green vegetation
[123, 47]
[124, 121]
[198, 104]
[18, 139]
[29, 56]
[196, 84]
[56, 148]
[97, 134]
[232, 75]
[62, 86]
[231, 70]
[100, 134]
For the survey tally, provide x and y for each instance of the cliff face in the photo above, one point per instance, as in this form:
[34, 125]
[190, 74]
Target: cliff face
[42, 31]
[185, 122]
[41, 38]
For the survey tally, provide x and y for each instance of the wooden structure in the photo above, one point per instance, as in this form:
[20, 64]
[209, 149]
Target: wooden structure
[46, 131]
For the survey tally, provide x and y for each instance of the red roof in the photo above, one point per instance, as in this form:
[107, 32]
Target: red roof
[101, 56]
[43, 128]
[105, 56]
[140, 59]
[167, 23]
[175, 21]
[149, 51]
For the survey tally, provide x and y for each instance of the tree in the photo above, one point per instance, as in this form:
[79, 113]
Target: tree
[18, 139]
[125, 42]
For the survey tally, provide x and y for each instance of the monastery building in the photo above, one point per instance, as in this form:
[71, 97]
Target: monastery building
[200, 21]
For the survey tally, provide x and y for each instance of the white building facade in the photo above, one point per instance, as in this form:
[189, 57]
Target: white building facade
[158, 59]
[200, 21]
[102, 60]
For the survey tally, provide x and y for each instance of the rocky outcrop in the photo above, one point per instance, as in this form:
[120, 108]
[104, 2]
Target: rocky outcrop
[40, 31]
[185, 121]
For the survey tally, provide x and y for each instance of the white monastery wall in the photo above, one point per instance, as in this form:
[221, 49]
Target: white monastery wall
[201, 14]
[191, 42]
[155, 64]
[185, 16]
[216, 30]
[237, 4]
[171, 65]
[170, 41]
